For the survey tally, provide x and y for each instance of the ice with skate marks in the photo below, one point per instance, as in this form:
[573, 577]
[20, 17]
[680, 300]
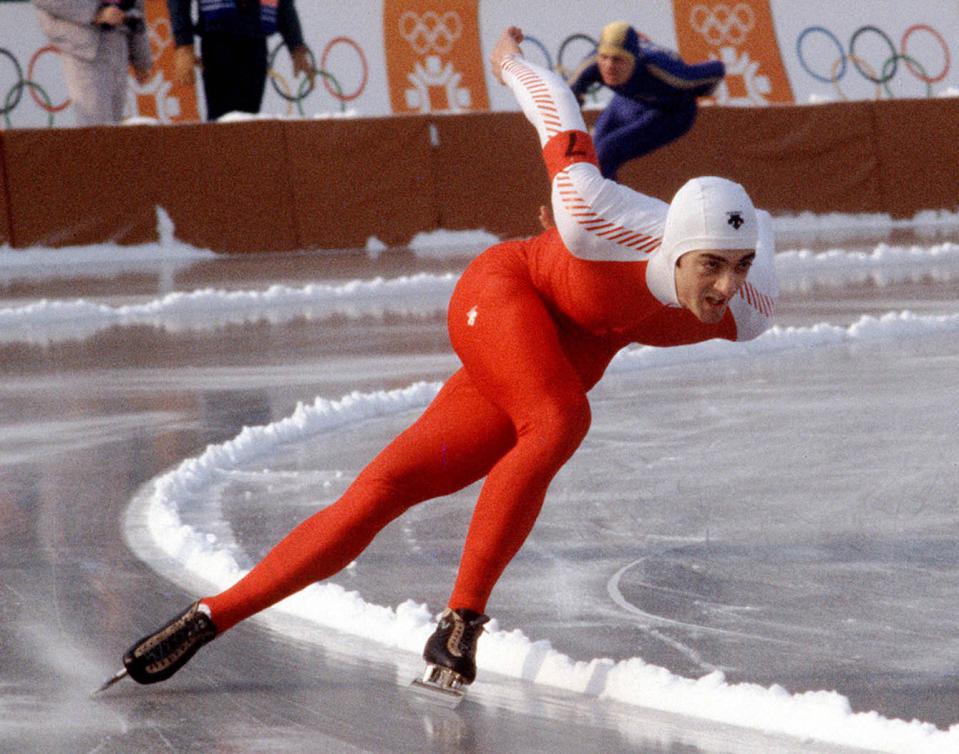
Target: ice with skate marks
[440, 686]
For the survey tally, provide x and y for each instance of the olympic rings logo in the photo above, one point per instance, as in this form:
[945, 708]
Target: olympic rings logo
[305, 87]
[37, 93]
[572, 51]
[888, 68]
[431, 32]
[160, 37]
[722, 24]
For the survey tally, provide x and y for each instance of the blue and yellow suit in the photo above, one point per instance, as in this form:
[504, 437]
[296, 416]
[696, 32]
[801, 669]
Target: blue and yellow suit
[655, 106]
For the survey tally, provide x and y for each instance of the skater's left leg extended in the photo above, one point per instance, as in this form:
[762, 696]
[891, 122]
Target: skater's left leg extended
[454, 443]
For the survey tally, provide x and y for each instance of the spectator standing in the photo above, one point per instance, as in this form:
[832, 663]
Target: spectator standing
[233, 49]
[97, 40]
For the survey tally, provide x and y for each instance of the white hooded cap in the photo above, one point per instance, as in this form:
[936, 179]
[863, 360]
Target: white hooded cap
[706, 213]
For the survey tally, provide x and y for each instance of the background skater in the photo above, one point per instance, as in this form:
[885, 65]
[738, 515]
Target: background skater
[654, 94]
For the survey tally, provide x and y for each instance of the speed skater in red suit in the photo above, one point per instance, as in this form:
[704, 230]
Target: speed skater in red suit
[535, 323]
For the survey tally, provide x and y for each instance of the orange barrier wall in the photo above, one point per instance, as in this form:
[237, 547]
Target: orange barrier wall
[5, 217]
[489, 174]
[280, 185]
[821, 159]
[919, 148]
[352, 179]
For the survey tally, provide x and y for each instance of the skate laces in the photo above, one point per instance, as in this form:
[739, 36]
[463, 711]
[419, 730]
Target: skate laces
[467, 626]
[170, 643]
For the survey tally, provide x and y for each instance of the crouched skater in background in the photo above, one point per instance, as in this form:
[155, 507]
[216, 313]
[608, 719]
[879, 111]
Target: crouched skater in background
[655, 94]
[535, 324]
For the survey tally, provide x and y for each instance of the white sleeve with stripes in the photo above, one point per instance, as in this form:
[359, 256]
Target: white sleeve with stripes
[598, 219]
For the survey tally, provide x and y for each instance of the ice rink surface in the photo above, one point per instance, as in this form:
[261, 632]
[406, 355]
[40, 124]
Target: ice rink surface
[741, 526]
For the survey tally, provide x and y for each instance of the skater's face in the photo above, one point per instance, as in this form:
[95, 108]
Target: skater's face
[707, 280]
[615, 70]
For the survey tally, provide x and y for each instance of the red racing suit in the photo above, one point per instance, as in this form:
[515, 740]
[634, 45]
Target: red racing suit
[535, 323]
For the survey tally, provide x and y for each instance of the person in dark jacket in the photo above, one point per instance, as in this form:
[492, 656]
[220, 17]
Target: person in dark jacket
[233, 49]
[655, 93]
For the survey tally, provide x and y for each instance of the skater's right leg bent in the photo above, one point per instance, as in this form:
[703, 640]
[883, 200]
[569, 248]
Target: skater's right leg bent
[454, 443]
[537, 373]
[516, 354]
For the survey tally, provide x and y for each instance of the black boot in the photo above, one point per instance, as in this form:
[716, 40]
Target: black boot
[161, 654]
[453, 645]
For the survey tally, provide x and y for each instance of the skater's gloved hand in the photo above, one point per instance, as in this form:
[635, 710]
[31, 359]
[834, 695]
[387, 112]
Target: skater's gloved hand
[506, 45]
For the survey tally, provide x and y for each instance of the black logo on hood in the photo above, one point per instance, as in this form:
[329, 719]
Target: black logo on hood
[736, 219]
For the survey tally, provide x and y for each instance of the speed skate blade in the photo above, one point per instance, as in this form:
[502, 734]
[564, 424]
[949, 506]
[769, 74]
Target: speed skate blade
[437, 694]
[440, 685]
[118, 676]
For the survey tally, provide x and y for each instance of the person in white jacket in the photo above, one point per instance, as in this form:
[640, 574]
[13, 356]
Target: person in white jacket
[98, 41]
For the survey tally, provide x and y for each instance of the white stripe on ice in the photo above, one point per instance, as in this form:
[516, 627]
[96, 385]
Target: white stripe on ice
[893, 325]
[46, 321]
[822, 715]
[209, 309]
[209, 301]
[804, 269]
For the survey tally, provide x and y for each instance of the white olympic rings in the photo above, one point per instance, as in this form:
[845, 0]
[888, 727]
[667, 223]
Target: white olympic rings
[431, 32]
[722, 24]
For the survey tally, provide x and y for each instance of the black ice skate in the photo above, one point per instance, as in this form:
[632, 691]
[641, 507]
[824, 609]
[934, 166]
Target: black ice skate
[450, 655]
[159, 655]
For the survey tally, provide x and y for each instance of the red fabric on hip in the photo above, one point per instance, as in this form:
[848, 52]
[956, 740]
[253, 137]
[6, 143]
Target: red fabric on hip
[514, 413]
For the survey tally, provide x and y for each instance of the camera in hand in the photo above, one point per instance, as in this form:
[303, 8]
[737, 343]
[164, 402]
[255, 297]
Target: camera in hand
[132, 16]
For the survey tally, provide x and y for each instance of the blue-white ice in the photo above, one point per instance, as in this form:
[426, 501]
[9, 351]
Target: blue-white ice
[198, 543]
[822, 715]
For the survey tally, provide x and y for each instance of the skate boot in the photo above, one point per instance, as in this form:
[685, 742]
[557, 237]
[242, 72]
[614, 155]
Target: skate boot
[450, 654]
[161, 654]
[156, 657]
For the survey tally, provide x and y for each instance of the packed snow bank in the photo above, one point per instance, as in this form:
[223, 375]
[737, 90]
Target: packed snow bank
[834, 225]
[101, 260]
[47, 321]
[822, 715]
[885, 265]
[207, 309]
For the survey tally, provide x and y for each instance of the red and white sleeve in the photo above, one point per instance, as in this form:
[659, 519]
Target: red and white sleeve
[598, 219]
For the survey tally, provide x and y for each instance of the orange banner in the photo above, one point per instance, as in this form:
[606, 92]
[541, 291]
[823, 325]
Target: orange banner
[741, 34]
[433, 56]
[159, 97]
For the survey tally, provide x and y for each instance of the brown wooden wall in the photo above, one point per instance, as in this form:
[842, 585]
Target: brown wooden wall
[279, 185]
